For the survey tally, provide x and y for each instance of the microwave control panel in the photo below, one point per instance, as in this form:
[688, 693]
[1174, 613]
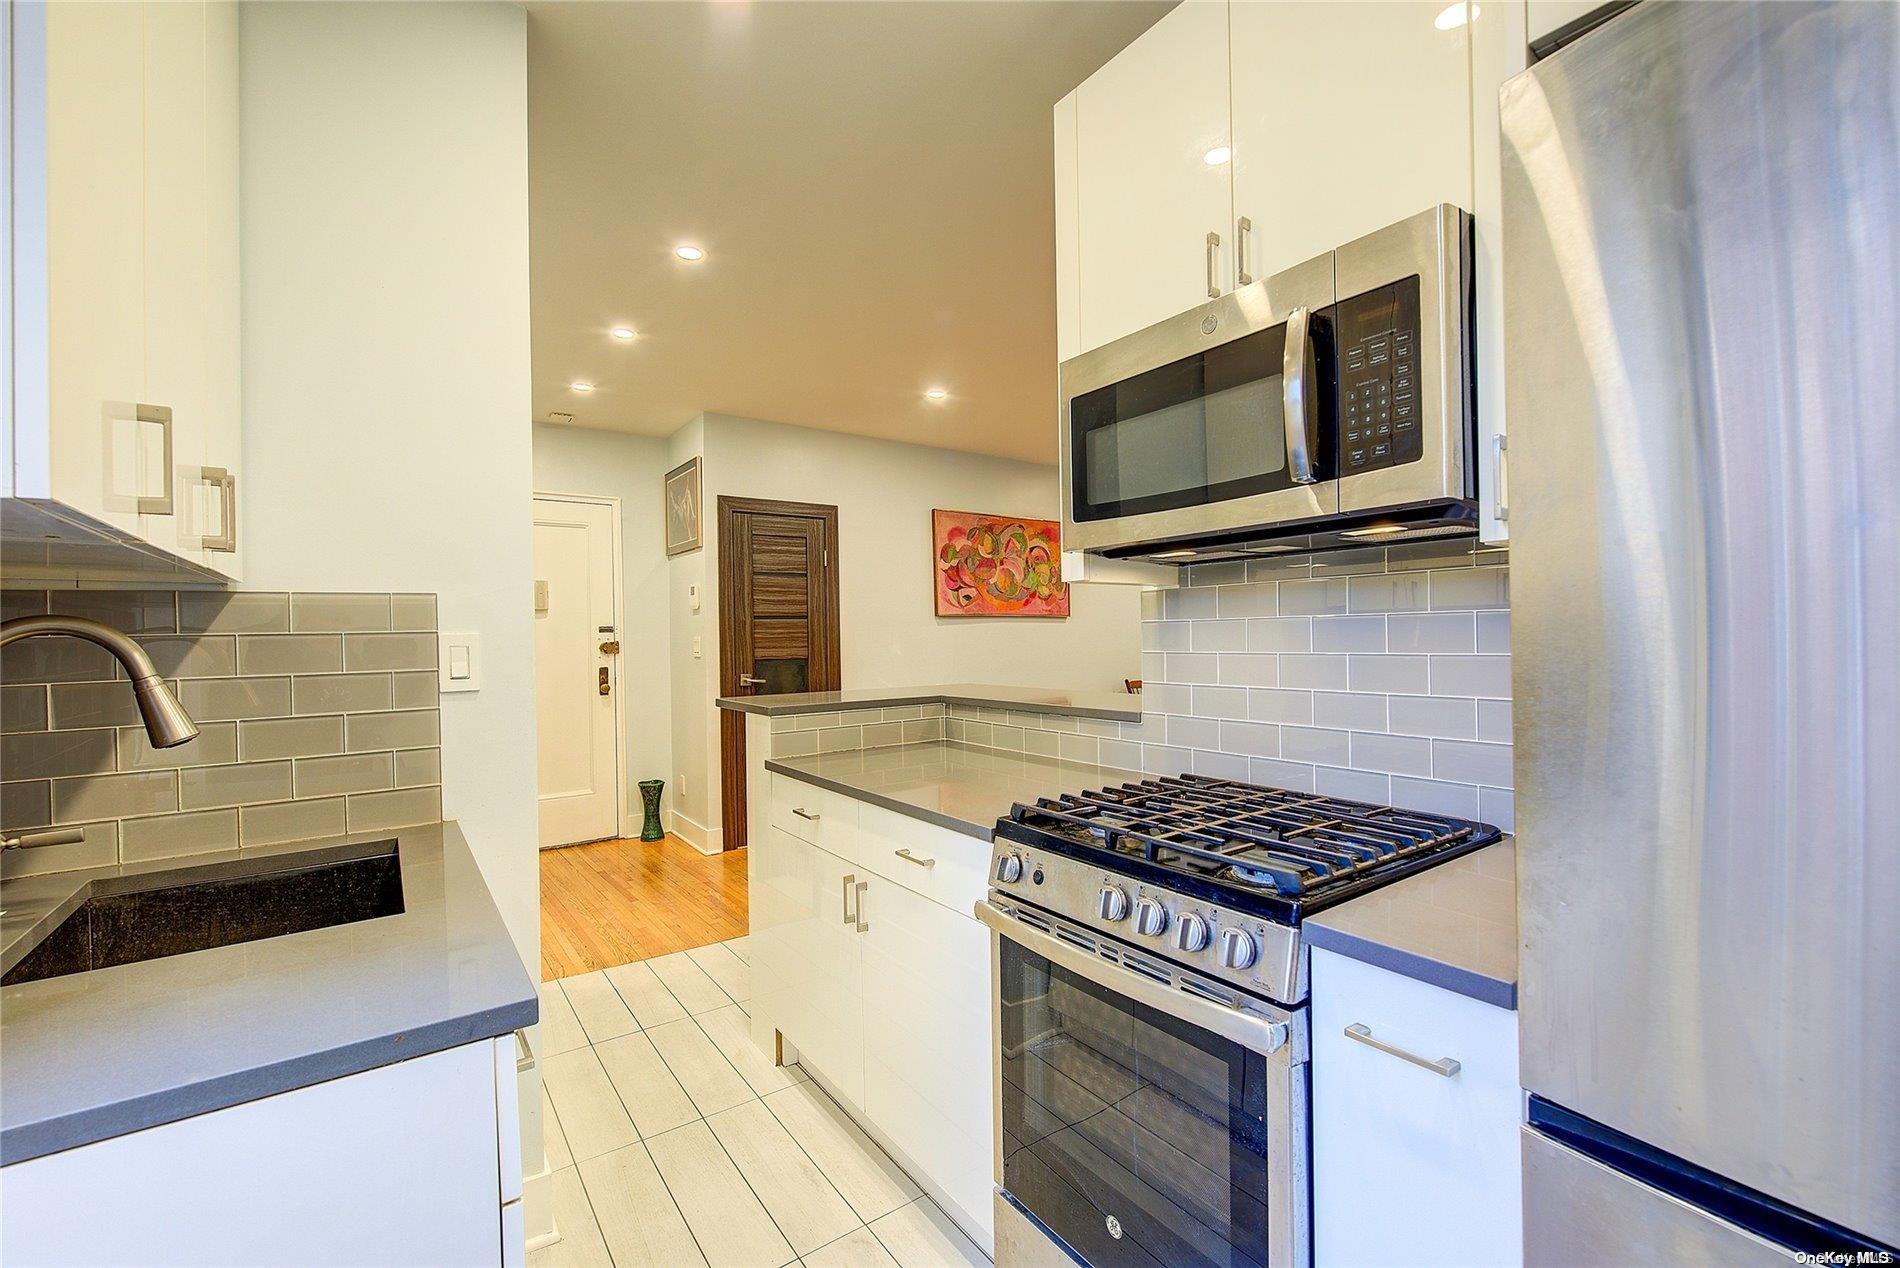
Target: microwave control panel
[1381, 406]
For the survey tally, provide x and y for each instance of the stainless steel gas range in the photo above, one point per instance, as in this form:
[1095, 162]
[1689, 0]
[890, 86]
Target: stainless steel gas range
[1149, 992]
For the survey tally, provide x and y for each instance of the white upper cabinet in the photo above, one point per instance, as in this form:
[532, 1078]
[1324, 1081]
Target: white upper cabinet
[1347, 117]
[1498, 51]
[1146, 196]
[1331, 118]
[1546, 16]
[122, 252]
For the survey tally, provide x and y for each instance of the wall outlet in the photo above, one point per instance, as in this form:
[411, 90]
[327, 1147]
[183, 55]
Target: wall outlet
[696, 647]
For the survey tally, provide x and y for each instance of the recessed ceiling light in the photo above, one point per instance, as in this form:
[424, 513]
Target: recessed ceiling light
[1453, 16]
[687, 251]
[580, 385]
[935, 393]
[1218, 155]
[623, 332]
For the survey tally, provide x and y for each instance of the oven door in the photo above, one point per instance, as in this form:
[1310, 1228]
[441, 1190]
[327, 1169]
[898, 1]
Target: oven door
[1139, 1123]
[1219, 418]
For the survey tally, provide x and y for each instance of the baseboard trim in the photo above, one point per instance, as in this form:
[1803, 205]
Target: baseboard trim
[698, 835]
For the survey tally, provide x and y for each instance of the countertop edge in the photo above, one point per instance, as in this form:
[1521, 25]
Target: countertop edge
[98, 1125]
[100, 1122]
[895, 805]
[924, 695]
[1420, 968]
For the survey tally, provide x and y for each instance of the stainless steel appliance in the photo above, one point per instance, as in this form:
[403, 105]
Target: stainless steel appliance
[1328, 404]
[1702, 260]
[1150, 990]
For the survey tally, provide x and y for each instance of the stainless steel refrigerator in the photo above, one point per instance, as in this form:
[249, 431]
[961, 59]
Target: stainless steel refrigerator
[1702, 269]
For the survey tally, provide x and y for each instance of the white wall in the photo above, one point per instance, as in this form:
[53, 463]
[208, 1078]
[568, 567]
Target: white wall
[631, 468]
[891, 635]
[695, 808]
[386, 364]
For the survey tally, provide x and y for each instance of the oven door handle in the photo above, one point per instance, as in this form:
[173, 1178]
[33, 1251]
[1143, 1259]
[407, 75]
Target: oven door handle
[1296, 388]
[1259, 1033]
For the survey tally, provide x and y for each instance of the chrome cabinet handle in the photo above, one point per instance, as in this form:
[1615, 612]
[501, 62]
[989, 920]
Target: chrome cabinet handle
[47, 836]
[1295, 396]
[803, 813]
[850, 917]
[1359, 1032]
[1500, 477]
[863, 925]
[162, 415]
[1243, 231]
[226, 484]
[1213, 245]
[908, 857]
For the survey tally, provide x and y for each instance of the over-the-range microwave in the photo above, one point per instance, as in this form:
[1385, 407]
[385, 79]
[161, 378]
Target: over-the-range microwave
[1329, 405]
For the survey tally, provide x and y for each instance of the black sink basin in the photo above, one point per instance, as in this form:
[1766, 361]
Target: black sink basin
[126, 919]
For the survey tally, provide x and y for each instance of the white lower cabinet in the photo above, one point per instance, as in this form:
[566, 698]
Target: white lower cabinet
[1440, 1150]
[398, 1165]
[927, 1040]
[874, 969]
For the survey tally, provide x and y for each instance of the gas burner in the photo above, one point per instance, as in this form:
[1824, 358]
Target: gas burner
[1272, 850]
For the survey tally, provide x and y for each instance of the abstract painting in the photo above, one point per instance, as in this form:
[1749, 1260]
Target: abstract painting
[682, 508]
[997, 565]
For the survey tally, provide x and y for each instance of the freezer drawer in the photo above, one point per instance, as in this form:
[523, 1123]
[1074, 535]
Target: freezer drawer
[1579, 1213]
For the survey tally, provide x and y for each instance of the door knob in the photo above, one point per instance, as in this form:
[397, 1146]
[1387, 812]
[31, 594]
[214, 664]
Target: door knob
[748, 680]
[604, 687]
[610, 648]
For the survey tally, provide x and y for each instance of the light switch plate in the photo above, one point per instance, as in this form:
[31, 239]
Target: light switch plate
[458, 662]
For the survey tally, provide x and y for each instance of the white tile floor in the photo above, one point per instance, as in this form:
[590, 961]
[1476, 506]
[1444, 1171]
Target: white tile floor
[676, 1142]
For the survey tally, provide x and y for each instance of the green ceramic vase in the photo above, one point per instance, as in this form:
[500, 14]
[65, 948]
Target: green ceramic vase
[650, 790]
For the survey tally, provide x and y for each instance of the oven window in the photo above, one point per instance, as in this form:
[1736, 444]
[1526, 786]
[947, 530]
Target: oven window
[1206, 428]
[1138, 1139]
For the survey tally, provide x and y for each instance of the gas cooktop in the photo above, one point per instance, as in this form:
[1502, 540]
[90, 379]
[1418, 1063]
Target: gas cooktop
[1268, 852]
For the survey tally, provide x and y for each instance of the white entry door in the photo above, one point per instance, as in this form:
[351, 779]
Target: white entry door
[577, 669]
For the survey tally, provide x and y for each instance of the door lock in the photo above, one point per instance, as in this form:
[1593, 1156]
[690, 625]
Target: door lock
[610, 648]
[605, 689]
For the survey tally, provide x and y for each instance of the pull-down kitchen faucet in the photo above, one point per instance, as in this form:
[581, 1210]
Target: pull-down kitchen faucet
[166, 721]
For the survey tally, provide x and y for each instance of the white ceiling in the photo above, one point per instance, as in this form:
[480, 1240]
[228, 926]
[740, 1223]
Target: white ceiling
[871, 183]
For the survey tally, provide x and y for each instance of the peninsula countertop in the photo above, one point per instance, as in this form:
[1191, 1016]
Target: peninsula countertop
[97, 1054]
[950, 784]
[1453, 926]
[1114, 705]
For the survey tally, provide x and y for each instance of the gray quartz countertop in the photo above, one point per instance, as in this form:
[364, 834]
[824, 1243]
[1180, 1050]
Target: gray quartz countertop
[1453, 926]
[1117, 705]
[97, 1054]
[949, 784]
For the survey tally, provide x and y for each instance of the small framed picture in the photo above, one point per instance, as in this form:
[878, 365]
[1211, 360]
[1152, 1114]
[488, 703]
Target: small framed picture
[683, 508]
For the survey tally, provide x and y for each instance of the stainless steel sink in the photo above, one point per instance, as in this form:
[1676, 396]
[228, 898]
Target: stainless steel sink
[126, 919]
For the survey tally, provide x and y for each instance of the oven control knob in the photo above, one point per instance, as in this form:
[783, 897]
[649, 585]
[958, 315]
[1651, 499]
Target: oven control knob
[1237, 949]
[1190, 934]
[1009, 868]
[1151, 918]
[1112, 903]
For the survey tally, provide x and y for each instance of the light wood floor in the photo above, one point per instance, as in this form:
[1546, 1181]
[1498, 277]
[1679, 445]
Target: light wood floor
[615, 902]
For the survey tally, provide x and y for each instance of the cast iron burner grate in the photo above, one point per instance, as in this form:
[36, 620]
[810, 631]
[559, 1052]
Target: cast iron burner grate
[1247, 837]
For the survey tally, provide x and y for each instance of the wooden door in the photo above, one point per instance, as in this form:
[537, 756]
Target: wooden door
[778, 621]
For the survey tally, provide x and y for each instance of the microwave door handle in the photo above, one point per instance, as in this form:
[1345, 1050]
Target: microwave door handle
[1296, 386]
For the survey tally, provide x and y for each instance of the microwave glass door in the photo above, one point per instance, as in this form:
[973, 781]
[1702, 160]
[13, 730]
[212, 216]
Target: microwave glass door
[1207, 428]
[1135, 1137]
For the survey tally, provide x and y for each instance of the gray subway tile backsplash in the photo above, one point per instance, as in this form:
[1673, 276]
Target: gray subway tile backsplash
[225, 612]
[1378, 674]
[275, 710]
[1393, 676]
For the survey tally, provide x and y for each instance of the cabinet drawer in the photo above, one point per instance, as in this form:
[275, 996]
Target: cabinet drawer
[947, 867]
[814, 814]
[1446, 1146]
